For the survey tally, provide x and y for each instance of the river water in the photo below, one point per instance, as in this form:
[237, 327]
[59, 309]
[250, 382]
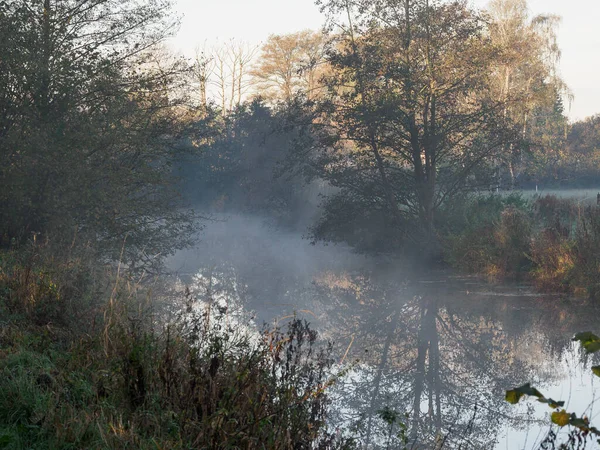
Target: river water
[440, 347]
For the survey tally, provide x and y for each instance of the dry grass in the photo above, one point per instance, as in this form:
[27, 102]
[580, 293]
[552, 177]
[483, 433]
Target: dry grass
[553, 241]
[115, 375]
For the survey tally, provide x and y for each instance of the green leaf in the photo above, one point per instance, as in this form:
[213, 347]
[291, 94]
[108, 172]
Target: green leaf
[552, 403]
[585, 336]
[514, 395]
[592, 347]
[596, 370]
[581, 423]
[589, 341]
[561, 418]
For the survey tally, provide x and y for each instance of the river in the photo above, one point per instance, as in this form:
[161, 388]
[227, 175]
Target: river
[435, 345]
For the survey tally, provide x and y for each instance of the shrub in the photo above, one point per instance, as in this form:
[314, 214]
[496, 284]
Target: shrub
[45, 287]
[512, 238]
[586, 247]
[201, 380]
[487, 234]
[553, 258]
[553, 241]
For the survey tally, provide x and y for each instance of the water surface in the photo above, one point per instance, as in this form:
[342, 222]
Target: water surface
[437, 346]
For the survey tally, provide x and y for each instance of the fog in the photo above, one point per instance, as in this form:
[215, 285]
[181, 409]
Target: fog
[438, 346]
[385, 229]
[274, 269]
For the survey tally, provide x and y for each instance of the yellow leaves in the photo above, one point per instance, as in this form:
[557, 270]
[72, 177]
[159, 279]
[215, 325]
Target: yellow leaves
[589, 341]
[513, 396]
[561, 418]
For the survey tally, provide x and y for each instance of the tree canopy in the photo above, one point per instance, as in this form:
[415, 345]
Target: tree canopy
[88, 124]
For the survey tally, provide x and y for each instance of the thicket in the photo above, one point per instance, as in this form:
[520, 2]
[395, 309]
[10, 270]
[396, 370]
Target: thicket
[553, 241]
[240, 165]
[90, 359]
[90, 119]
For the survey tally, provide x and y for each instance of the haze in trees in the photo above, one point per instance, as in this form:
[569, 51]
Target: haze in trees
[408, 118]
[89, 125]
[156, 209]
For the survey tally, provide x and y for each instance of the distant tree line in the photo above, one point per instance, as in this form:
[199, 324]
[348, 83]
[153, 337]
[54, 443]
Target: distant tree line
[394, 111]
[399, 108]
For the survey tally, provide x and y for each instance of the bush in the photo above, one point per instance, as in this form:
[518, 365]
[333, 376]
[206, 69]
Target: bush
[554, 260]
[45, 287]
[487, 234]
[204, 379]
[553, 241]
[586, 248]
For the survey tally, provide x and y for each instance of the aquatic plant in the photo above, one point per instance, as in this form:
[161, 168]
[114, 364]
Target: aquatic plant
[582, 431]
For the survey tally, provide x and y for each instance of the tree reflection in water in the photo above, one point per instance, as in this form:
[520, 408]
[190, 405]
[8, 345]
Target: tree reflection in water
[440, 348]
[443, 355]
[446, 370]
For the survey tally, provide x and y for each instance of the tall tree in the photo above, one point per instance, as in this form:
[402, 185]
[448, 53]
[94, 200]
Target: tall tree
[227, 68]
[525, 75]
[202, 69]
[289, 64]
[88, 122]
[408, 116]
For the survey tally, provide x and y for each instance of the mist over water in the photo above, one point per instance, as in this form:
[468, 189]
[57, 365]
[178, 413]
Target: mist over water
[431, 138]
[439, 347]
[274, 269]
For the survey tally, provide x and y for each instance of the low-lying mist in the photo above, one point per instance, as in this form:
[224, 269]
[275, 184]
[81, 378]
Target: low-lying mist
[269, 269]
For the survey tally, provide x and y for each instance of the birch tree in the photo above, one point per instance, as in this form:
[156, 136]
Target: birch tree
[525, 77]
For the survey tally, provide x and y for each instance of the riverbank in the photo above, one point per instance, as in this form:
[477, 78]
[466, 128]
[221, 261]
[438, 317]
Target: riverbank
[90, 358]
[553, 242]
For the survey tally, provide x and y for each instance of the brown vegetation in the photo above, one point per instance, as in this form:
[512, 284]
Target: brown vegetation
[553, 242]
[88, 367]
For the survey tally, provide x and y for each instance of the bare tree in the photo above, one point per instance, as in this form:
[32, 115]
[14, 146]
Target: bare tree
[224, 68]
[202, 69]
[243, 54]
[221, 77]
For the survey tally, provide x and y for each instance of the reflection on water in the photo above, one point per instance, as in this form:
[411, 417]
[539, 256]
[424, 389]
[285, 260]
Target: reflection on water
[440, 348]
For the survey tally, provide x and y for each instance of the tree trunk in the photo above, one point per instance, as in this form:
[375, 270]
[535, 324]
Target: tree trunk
[377, 381]
[427, 365]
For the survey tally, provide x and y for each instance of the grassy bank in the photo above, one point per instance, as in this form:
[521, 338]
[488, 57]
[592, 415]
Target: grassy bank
[89, 360]
[555, 242]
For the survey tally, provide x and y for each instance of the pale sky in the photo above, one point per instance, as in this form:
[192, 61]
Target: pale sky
[253, 20]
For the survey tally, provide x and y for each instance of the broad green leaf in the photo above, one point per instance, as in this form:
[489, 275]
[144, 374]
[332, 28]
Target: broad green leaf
[514, 395]
[561, 418]
[592, 347]
[585, 336]
[589, 341]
